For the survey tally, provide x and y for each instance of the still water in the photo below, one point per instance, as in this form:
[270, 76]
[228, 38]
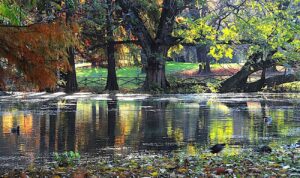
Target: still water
[110, 124]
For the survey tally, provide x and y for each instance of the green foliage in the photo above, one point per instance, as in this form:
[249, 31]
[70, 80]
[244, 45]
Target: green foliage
[70, 4]
[11, 13]
[220, 50]
[264, 26]
[67, 158]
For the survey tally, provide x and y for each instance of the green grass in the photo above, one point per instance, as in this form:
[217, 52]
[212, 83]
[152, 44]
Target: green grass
[98, 85]
[174, 67]
[171, 68]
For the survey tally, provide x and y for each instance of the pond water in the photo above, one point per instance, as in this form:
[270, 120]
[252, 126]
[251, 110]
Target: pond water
[118, 124]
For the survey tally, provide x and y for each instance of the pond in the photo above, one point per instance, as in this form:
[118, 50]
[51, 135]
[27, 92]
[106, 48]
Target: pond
[119, 124]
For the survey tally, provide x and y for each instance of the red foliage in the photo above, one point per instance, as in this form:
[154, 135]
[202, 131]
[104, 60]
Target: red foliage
[35, 52]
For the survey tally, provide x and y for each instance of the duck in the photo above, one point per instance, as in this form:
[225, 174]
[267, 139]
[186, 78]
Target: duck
[268, 120]
[15, 130]
[217, 148]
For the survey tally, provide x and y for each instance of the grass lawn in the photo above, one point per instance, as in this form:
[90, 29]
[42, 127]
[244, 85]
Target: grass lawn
[171, 68]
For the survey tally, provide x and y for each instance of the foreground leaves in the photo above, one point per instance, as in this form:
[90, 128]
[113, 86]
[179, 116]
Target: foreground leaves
[281, 162]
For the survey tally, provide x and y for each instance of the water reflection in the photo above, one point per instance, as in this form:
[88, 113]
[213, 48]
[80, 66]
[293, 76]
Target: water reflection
[114, 126]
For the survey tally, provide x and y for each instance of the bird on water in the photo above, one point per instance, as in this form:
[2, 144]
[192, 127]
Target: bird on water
[217, 148]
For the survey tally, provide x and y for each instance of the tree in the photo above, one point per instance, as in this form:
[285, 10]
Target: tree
[111, 83]
[99, 30]
[71, 80]
[272, 36]
[202, 29]
[45, 11]
[33, 53]
[10, 13]
[269, 29]
[154, 33]
[203, 49]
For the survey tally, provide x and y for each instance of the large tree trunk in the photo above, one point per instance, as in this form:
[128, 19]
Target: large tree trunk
[71, 80]
[237, 81]
[143, 61]
[203, 59]
[112, 83]
[255, 86]
[155, 75]
[155, 69]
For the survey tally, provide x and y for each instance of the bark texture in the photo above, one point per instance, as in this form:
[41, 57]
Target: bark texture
[203, 59]
[271, 82]
[71, 80]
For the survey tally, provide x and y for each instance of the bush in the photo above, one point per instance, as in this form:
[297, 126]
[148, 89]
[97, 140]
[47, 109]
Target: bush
[67, 158]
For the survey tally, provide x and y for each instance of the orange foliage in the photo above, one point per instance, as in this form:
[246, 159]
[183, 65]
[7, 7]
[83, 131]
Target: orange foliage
[37, 51]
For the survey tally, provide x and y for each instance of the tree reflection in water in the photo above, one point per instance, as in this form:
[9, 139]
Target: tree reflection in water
[93, 126]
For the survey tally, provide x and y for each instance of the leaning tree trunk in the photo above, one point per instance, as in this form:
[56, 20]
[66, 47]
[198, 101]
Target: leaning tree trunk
[272, 81]
[112, 83]
[238, 82]
[256, 86]
[71, 80]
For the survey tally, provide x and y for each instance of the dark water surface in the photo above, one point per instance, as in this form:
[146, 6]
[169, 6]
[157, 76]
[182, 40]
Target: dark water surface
[116, 124]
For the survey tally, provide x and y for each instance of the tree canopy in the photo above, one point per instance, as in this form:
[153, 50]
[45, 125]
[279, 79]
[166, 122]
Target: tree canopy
[268, 30]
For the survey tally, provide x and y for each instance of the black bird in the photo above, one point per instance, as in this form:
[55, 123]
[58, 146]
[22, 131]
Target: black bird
[16, 130]
[265, 149]
[217, 148]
